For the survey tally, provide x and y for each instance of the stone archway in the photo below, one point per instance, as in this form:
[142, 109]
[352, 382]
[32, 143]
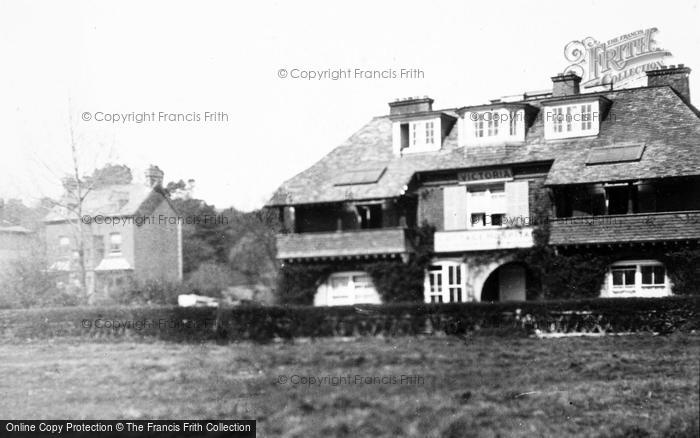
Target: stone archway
[507, 282]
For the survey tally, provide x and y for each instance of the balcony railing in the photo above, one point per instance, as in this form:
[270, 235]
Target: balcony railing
[642, 227]
[383, 242]
[483, 239]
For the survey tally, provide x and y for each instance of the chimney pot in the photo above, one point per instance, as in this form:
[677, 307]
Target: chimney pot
[410, 105]
[154, 176]
[565, 84]
[675, 77]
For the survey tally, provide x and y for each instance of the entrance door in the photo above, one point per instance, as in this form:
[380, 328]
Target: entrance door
[445, 283]
[511, 283]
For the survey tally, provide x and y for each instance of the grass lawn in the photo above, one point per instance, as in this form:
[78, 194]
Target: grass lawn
[614, 386]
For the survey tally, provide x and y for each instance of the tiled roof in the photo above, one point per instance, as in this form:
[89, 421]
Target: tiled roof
[625, 228]
[355, 243]
[114, 200]
[655, 116]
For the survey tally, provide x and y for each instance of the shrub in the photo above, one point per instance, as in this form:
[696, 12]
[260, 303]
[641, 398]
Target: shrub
[684, 270]
[262, 323]
[398, 282]
[566, 276]
[209, 279]
[24, 282]
[297, 284]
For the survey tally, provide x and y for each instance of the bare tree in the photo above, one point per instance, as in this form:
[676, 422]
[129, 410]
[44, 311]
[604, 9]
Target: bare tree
[78, 185]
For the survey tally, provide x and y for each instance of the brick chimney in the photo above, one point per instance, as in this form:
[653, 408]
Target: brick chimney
[565, 84]
[675, 77]
[154, 176]
[410, 105]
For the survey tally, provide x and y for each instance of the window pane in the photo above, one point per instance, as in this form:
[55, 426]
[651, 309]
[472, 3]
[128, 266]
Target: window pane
[497, 188]
[617, 278]
[647, 274]
[659, 275]
[497, 219]
[478, 218]
[623, 275]
[362, 281]
[337, 282]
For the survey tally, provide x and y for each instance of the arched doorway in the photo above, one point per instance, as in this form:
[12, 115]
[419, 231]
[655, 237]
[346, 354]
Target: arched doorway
[508, 282]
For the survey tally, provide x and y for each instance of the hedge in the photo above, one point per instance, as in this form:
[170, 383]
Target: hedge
[266, 323]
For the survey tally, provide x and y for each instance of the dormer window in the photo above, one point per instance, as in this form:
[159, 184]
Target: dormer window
[416, 127]
[492, 126]
[419, 135]
[575, 119]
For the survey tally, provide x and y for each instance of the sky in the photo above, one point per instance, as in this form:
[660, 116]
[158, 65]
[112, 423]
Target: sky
[68, 66]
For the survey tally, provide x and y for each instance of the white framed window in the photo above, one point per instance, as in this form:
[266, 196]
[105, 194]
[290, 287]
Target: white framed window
[115, 243]
[429, 132]
[415, 136]
[445, 282]
[492, 126]
[486, 124]
[623, 278]
[577, 120]
[486, 205]
[347, 289]
[642, 278]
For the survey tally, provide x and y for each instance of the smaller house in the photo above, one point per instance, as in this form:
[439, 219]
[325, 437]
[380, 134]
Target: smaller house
[128, 233]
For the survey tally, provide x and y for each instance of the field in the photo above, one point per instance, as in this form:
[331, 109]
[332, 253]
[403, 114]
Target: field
[484, 386]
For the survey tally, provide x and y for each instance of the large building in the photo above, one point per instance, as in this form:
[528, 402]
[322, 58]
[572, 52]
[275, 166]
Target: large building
[614, 171]
[128, 233]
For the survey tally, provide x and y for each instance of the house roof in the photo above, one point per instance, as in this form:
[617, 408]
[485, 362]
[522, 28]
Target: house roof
[625, 228]
[114, 200]
[668, 127]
